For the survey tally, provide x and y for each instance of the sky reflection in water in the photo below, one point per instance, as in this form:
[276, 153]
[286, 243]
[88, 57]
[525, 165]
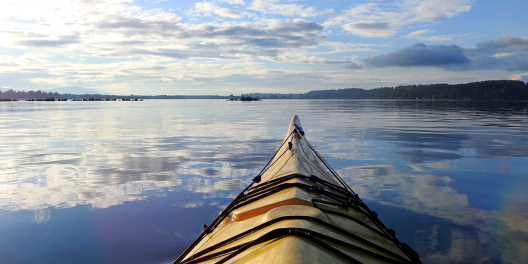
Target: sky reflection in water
[112, 182]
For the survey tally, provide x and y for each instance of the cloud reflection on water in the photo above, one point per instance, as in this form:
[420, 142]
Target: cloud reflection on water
[408, 158]
[473, 229]
[110, 174]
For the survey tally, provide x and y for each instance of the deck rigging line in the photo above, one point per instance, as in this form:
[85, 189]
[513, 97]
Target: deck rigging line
[345, 199]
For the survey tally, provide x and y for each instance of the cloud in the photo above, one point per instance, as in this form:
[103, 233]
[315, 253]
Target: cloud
[49, 43]
[369, 26]
[115, 45]
[420, 55]
[209, 8]
[313, 60]
[429, 10]
[233, 2]
[505, 52]
[504, 42]
[133, 30]
[293, 26]
[246, 38]
[225, 12]
[518, 62]
[236, 41]
[521, 77]
[370, 29]
[119, 29]
[353, 65]
[421, 35]
[387, 19]
[273, 7]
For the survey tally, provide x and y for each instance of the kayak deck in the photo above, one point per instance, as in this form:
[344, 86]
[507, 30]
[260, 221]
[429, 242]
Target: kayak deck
[297, 210]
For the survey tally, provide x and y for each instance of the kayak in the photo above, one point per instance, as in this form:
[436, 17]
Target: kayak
[297, 210]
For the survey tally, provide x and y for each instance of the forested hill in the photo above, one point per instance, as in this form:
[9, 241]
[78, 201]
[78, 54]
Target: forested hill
[486, 90]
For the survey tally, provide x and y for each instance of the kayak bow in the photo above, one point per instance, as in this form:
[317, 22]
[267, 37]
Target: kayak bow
[297, 210]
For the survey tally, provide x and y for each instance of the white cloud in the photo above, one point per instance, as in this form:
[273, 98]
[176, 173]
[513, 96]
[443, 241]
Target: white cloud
[386, 19]
[131, 32]
[79, 25]
[429, 10]
[309, 60]
[225, 12]
[117, 45]
[370, 29]
[233, 2]
[209, 8]
[520, 77]
[421, 35]
[274, 7]
[438, 38]
[97, 41]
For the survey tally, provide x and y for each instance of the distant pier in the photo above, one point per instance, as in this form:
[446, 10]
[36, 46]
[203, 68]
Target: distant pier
[74, 100]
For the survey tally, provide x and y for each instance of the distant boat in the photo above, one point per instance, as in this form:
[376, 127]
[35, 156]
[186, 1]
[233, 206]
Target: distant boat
[249, 98]
[244, 99]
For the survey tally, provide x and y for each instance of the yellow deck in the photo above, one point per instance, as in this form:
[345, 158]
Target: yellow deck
[288, 217]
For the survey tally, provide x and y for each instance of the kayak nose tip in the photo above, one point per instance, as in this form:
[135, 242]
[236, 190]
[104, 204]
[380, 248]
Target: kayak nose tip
[296, 119]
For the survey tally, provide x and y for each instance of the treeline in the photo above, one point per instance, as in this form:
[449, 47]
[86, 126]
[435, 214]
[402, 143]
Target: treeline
[23, 95]
[41, 95]
[486, 90]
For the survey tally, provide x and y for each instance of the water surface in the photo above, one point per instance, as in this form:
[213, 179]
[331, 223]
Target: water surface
[114, 182]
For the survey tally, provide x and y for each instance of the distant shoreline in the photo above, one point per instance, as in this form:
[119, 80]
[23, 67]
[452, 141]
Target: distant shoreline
[501, 90]
[345, 99]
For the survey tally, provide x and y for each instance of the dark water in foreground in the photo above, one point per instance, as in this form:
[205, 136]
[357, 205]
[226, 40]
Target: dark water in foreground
[116, 182]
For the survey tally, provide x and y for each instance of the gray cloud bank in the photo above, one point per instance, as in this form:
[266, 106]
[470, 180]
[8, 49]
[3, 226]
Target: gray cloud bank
[47, 43]
[506, 52]
[119, 35]
[235, 41]
[420, 55]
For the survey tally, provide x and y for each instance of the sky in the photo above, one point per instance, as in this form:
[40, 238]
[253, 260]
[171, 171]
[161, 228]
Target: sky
[222, 47]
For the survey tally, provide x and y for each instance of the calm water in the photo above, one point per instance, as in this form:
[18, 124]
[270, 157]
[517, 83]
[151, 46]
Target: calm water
[115, 182]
